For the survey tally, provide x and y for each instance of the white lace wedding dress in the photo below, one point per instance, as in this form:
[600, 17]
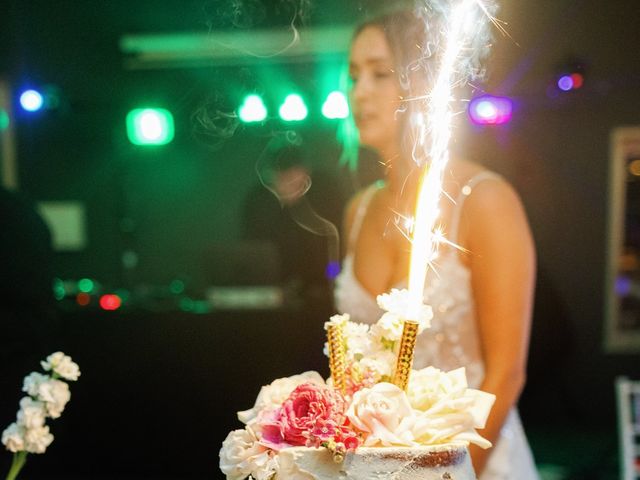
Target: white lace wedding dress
[452, 341]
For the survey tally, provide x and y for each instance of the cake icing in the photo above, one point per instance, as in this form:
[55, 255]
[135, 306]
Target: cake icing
[437, 462]
[361, 424]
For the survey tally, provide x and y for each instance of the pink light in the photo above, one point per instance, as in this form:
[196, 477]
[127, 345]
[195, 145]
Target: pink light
[490, 110]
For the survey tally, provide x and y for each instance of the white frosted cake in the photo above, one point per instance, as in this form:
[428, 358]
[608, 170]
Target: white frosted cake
[438, 462]
[374, 419]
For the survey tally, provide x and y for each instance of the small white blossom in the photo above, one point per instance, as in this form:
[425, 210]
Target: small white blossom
[398, 304]
[55, 395]
[32, 413]
[13, 438]
[62, 365]
[32, 383]
[338, 319]
[358, 340]
[381, 364]
[37, 440]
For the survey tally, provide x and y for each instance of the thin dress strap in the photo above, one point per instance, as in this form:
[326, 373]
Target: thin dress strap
[360, 213]
[465, 191]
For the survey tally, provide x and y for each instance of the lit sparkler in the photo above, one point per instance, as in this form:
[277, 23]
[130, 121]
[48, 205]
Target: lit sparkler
[466, 39]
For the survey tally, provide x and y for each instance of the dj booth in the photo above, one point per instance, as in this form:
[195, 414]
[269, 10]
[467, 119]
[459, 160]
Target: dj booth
[159, 391]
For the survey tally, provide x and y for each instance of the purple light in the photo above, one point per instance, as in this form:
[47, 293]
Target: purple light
[623, 286]
[565, 83]
[332, 270]
[490, 110]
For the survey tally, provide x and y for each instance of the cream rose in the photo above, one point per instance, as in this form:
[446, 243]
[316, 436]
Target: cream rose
[273, 395]
[383, 414]
[429, 385]
[241, 455]
[62, 365]
[446, 409]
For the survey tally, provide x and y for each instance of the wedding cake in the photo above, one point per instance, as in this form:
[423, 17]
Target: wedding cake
[375, 418]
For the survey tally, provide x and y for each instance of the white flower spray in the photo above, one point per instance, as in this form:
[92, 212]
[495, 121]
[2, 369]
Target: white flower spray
[47, 397]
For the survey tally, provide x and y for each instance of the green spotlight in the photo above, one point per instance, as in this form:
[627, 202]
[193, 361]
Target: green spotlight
[86, 285]
[150, 126]
[293, 109]
[252, 109]
[335, 106]
[4, 119]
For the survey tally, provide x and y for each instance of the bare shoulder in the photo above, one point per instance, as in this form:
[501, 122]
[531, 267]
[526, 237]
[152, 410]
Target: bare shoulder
[493, 195]
[492, 212]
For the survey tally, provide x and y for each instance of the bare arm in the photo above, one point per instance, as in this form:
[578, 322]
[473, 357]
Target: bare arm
[502, 271]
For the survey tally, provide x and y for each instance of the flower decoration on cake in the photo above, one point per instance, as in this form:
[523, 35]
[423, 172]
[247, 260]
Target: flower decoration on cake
[359, 405]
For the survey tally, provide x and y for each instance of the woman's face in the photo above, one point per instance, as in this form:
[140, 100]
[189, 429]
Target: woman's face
[375, 93]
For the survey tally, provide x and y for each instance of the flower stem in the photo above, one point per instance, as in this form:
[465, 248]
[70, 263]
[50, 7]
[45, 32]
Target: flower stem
[19, 459]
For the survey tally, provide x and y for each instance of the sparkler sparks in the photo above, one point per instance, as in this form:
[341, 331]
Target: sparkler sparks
[465, 42]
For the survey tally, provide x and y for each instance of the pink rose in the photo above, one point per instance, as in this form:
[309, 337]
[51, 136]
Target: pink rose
[311, 410]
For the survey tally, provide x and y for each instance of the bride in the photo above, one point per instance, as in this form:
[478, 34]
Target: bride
[481, 294]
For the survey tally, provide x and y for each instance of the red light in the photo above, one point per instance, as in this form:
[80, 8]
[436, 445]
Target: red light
[110, 302]
[578, 80]
[83, 299]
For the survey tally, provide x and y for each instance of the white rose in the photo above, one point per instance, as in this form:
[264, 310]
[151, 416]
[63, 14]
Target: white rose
[32, 383]
[32, 413]
[429, 385]
[274, 394]
[265, 470]
[241, 455]
[36, 440]
[13, 438]
[55, 395]
[62, 364]
[383, 412]
[446, 409]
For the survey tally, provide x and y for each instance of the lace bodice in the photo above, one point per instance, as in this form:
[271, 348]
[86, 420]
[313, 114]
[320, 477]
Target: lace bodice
[453, 340]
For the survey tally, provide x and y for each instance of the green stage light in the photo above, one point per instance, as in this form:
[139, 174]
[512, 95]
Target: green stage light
[150, 126]
[252, 109]
[293, 109]
[86, 285]
[4, 119]
[335, 106]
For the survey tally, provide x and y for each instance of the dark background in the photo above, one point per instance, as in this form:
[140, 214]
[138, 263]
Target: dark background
[126, 414]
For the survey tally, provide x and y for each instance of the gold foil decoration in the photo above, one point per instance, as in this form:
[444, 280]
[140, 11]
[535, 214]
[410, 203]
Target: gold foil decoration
[405, 355]
[337, 363]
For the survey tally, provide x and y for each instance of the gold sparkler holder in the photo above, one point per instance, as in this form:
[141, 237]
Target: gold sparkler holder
[337, 363]
[405, 355]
